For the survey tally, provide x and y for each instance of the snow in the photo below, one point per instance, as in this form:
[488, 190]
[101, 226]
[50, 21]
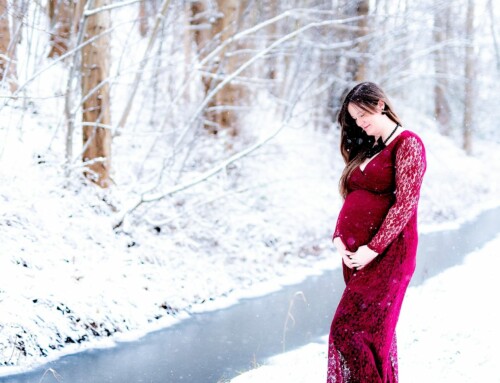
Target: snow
[447, 332]
[69, 281]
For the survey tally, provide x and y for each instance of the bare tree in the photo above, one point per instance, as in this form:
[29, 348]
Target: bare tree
[147, 10]
[491, 11]
[61, 16]
[401, 50]
[220, 111]
[160, 16]
[357, 58]
[95, 91]
[201, 24]
[362, 9]
[441, 105]
[271, 10]
[469, 79]
[143, 18]
[7, 49]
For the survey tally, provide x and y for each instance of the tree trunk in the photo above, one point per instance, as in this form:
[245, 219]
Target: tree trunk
[271, 10]
[469, 79]
[7, 49]
[491, 11]
[61, 14]
[442, 110]
[355, 66]
[220, 113]
[143, 18]
[362, 9]
[96, 111]
[202, 34]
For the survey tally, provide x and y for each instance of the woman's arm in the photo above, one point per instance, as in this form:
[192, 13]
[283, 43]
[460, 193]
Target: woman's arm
[410, 168]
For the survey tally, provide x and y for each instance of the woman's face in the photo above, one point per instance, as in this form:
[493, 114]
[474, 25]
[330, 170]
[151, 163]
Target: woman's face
[371, 123]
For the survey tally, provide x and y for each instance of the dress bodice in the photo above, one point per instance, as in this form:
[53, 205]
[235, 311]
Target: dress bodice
[382, 197]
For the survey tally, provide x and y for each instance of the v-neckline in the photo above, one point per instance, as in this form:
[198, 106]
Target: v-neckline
[362, 170]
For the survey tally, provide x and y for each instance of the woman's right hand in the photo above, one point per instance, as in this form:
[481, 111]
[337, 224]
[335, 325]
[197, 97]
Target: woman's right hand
[342, 250]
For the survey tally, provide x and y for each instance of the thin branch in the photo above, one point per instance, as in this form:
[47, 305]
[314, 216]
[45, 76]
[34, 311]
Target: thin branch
[67, 98]
[97, 125]
[109, 7]
[159, 19]
[84, 164]
[214, 91]
[289, 315]
[210, 173]
[199, 179]
[296, 13]
[245, 65]
[493, 33]
[59, 59]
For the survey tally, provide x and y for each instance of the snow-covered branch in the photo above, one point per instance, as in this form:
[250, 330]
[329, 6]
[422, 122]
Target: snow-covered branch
[91, 12]
[199, 179]
[152, 38]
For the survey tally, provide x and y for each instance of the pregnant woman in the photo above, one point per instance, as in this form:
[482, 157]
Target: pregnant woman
[376, 235]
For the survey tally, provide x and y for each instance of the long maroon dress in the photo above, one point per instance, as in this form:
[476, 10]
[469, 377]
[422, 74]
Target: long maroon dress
[380, 210]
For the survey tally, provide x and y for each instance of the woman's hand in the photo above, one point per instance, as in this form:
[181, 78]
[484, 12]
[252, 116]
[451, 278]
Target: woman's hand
[362, 257]
[341, 249]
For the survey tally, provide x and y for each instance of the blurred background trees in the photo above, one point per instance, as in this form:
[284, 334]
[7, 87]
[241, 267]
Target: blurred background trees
[148, 78]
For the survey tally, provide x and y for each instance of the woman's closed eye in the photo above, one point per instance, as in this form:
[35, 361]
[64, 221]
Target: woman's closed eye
[359, 115]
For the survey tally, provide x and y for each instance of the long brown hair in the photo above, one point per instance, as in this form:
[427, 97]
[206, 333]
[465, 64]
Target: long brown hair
[354, 142]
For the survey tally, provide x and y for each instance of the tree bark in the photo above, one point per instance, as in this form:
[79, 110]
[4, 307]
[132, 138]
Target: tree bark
[469, 79]
[4, 37]
[96, 109]
[220, 112]
[271, 10]
[202, 34]
[355, 65]
[7, 49]
[143, 19]
[491, 11]
[61, 14]
[362, 9]
[442, 110]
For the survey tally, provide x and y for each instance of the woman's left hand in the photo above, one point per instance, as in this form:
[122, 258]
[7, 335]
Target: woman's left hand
[362, 257]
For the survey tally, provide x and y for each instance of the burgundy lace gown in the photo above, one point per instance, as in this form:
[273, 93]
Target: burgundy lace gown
[380, 211]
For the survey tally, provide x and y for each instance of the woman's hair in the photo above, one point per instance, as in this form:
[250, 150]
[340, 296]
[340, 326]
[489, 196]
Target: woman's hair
[354, 142]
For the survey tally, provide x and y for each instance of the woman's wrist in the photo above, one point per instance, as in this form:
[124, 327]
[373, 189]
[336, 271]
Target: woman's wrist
[372, 249]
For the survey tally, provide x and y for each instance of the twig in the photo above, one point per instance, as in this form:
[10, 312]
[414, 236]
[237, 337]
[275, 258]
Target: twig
[289, 315]
[159, 19]
[109, 7]
[196, 180]
[54, 373]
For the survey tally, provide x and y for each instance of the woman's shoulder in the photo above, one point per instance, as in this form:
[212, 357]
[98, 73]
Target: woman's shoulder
[410, 146]
[409, 137]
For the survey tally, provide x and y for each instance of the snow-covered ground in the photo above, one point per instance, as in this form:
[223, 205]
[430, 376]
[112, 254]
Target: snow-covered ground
[70, 282]
[448, 331]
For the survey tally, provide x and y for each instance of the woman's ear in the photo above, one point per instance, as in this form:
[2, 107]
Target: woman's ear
[381, 106]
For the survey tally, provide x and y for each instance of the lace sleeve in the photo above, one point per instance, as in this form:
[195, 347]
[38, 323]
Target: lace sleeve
[410, 169]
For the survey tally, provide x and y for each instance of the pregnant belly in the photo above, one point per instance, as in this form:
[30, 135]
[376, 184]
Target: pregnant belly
[361, 216]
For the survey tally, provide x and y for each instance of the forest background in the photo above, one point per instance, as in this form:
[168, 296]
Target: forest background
[159, 158]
